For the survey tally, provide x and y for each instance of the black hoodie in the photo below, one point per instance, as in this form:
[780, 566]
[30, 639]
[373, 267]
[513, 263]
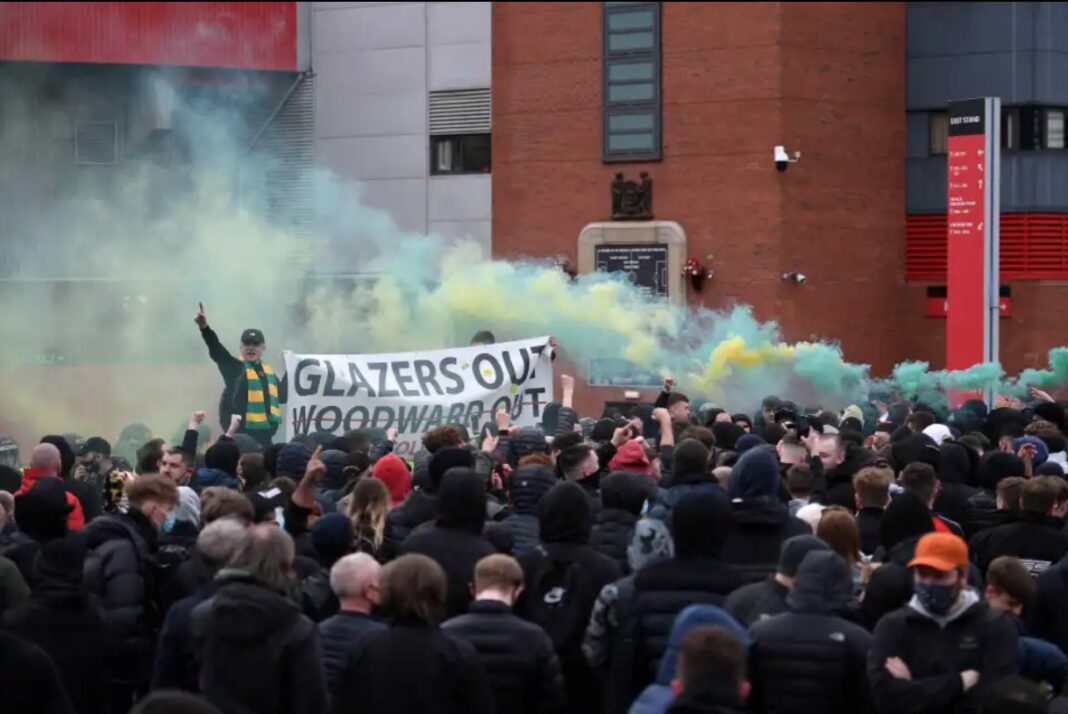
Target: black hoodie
[565, 519]
[956, 470]
[761, 523]
[696, 575]
[981, 510]
[455, 540]
[809, 659]
[622, 496]
[529, 484]
[256, 651]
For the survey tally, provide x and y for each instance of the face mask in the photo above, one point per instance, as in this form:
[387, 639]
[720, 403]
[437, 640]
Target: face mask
[168, 523]
[280, 516]
[936, 599]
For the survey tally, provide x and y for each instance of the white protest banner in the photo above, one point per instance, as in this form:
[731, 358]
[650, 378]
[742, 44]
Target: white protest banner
[416, 391]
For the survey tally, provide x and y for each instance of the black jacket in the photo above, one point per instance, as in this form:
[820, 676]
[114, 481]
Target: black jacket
[418, 508]
[1038, 540]
[978, 639]
[756, 536]
[952, 501]
[981, 512]
[234, 398]
[757, 601]
[257, 653]
[611, 534]
[29, 683]
[413, 668]
[868, 520]
[709, 698]
[455, 539]
[1047, 617]
[809, 659]
[61, 620]
[529, 484]
[186, 579]
[661, 591]
[122, 571]
[564, 518]
[518, 657]
[341, 634]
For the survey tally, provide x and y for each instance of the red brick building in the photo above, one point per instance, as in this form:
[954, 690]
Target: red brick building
[736, 79]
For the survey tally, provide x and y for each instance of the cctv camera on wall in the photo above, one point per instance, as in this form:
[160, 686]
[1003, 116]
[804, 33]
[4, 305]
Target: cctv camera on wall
[783, 160]
[795, 277]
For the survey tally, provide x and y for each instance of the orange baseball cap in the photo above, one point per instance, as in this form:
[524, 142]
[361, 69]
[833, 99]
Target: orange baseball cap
[941, 551]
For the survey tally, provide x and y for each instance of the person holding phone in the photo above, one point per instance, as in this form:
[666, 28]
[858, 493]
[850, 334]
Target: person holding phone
[251, 389]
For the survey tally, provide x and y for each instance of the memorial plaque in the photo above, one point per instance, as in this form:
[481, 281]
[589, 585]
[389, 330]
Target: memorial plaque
[645, 264]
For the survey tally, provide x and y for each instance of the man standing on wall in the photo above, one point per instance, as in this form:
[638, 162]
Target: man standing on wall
[251, 389]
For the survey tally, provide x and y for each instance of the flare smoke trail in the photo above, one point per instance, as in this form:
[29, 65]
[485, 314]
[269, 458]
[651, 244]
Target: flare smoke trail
[154, 241]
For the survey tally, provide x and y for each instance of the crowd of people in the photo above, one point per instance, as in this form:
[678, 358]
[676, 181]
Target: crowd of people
[889, 557]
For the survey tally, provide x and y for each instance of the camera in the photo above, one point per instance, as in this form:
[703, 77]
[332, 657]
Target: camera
[782, 159]
[796, 277]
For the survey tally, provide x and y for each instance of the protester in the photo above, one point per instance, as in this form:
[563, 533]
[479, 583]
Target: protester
[426, 670]
[942, 651]
[871, 486]
[810, 659]
[355, 580]
[838, 529]
[518, 657]
[696, 575]
[528, 484]
[175, 656]
[421, 505]
[256, 652]
[760, 521]
[455, 540]
[29, 681]
[711, 673]
[562, 579]
[755, 602]
[250, 388]
[1033, 534]
[1009, 586]
[623, 498]
[367, 509]
[981, 510]
[46, 462]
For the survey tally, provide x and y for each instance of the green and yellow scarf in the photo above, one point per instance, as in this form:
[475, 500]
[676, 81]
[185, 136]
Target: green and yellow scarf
[257, 414]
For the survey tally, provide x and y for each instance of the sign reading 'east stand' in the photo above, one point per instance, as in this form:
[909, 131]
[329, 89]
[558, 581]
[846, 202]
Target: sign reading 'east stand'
[416, 391]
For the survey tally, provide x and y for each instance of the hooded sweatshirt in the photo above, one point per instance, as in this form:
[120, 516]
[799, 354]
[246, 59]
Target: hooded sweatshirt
[257, 652]
[981, 511]
[623, 497]
[529, 484]
[810, 643]
[658, 696]
[761, 523]
[455, 539]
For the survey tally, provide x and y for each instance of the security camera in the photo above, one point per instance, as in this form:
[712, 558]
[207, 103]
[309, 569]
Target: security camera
[795, 277]
[783, 160]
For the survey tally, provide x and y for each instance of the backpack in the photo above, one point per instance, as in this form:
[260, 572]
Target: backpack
[562, 596]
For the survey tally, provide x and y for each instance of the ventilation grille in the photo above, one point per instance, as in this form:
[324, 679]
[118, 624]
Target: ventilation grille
[283, 160]
[460, 111]
[1034, 246]
[96, 143]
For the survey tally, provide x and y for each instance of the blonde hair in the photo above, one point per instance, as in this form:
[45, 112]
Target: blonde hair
[368, 508]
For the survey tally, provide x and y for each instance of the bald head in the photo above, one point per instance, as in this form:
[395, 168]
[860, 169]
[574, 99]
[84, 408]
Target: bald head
[46, 459]
[354, 579]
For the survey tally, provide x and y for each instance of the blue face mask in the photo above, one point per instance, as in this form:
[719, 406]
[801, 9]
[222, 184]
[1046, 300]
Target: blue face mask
[936, 599]
[168, 523]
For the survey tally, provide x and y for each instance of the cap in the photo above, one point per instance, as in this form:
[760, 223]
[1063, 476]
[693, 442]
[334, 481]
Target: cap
[252, 336]
[95, 445]
[941, 551]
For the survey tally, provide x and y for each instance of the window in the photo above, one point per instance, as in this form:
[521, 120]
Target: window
[939, 126]
[631, 100]
[1054, 129]
[460, 154]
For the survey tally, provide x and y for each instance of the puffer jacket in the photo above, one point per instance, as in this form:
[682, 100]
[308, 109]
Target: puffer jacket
[121, 570]
[204, 478]
[418, 508]
[611, 534]
[338, 636]
[257, 654]
[529, 484]
[809, 659]
[1036, 539]
[520, 663]
[981, 512]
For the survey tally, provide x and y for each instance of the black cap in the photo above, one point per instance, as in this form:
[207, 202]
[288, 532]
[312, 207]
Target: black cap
[252, 336]
[95, 445]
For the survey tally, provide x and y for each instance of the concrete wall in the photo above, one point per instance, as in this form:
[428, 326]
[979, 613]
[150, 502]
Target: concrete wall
[375, 64]
[1015, 50]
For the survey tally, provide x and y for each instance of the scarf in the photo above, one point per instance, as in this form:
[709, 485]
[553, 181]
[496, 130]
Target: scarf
[258, 415]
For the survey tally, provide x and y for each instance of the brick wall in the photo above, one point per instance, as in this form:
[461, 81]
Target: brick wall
[738, 78]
